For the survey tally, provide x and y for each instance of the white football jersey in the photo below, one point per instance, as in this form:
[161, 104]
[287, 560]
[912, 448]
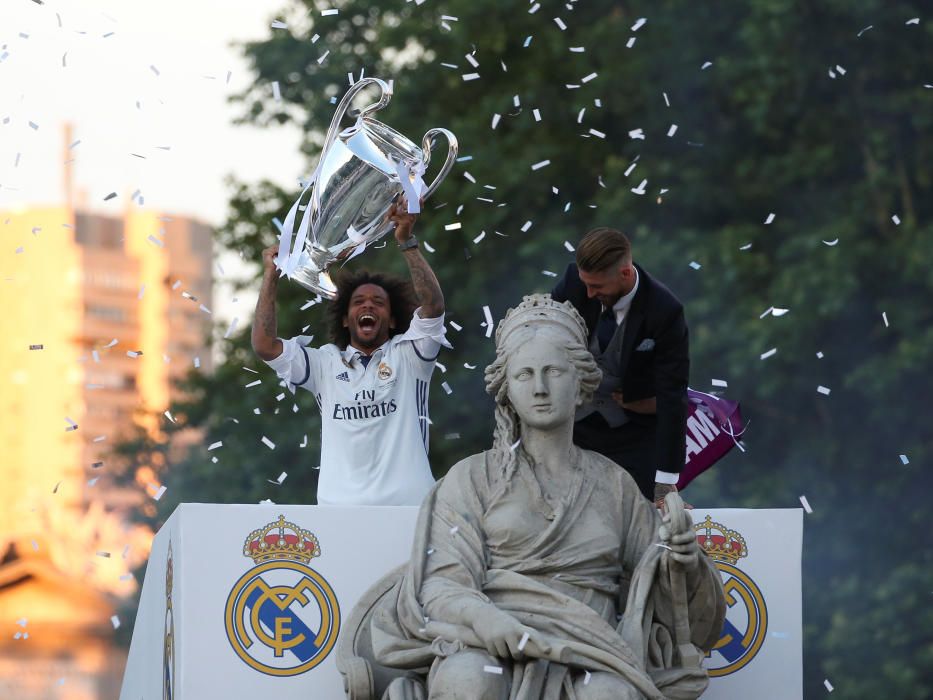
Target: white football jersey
[374, 419]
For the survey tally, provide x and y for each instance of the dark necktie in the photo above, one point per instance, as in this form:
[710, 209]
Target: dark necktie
[364, 360]
[606, 328]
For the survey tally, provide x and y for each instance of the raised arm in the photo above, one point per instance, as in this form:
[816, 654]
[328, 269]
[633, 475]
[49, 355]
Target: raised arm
[265, 340]
[427, 288]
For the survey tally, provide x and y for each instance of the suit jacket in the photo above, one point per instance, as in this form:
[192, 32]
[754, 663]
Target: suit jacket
[655, 323]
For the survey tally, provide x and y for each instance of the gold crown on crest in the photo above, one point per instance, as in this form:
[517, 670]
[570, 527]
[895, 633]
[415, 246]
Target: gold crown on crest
[281, 540]
[721, 543]
[541, 308]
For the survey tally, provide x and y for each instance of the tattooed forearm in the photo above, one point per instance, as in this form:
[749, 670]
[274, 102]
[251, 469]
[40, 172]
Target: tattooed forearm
[427, 288]
[264, 335]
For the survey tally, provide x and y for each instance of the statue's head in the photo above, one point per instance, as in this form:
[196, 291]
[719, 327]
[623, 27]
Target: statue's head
[542, 370]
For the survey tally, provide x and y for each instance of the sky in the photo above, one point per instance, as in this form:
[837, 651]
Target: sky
[145, 86]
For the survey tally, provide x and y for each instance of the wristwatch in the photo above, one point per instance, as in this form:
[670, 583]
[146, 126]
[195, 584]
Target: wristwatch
[412, 242]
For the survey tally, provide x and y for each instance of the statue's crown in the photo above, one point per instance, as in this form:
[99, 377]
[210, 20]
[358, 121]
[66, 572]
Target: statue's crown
[541, 308]
[720, 542]
[281, 540]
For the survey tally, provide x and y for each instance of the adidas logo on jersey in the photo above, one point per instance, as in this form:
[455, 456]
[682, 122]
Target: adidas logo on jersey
[344, 377]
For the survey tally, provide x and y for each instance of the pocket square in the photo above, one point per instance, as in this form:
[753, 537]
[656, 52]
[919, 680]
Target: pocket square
[645, 345]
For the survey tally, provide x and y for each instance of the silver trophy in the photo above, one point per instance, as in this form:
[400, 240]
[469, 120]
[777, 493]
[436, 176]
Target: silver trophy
[362, 170]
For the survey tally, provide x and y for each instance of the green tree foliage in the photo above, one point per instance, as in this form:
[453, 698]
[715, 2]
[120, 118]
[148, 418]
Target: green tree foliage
[804, 112]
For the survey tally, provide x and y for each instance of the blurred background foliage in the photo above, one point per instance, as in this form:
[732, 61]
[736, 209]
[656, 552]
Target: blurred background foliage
[819, 113]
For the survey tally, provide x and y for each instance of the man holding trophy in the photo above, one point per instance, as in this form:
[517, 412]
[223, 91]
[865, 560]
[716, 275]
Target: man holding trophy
[371, 383]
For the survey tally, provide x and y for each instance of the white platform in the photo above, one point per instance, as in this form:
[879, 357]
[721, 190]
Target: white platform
[216, 635]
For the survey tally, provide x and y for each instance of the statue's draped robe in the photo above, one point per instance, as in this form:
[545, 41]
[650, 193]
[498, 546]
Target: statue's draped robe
[561, 568]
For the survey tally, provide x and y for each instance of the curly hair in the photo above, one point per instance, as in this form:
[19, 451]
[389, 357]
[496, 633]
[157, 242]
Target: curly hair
[401, 302]
[506, 432]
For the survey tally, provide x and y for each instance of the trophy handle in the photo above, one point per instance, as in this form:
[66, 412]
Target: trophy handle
[452, 149]
[344, 106]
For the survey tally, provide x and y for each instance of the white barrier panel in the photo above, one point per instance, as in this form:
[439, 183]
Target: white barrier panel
[236, 605]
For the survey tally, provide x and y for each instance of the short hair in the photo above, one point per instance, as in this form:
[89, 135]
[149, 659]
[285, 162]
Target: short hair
[603, 248]
[401, 302]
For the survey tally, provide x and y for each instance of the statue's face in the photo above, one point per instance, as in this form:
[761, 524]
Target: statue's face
[542, 384]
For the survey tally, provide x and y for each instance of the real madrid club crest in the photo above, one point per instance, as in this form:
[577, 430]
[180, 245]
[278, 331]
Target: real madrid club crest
[746, 623]
[384, 371]
[282, 617]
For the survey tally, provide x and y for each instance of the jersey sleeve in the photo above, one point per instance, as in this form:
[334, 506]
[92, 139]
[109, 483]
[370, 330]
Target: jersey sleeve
[298, 365]
[422, 342]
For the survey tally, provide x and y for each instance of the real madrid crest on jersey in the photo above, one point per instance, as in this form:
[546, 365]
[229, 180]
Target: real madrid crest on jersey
[282, 617]
[384, 371]
[746, 623]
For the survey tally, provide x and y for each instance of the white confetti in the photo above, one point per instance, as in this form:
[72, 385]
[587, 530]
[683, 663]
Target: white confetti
[548, 273]
[588, 78]
[252, 384]
[523, 641]
[328, 13]
[832, 242]
[896, 219]
[470, 76]
[159, 493]
[706, 65]
[537, 114]
[641, 190]
[770, 218]
[598, 134]
[829, 686]
[672, 130]
[540, 164]
[115, 621]
[884, 317]
[637, 134]
[904, 459]
[769, 353]
[720, 382]
[493, 669]
[586, 678]
[232, 327]
[452, 227]
[819, 355]
[488, 323]
[276, 91]
[268, 443]
[915, 20]
[560, 23]
[215, 445]
[446, 387]
[695, 265]
[806, 504]
[823, 390]
[279, 480]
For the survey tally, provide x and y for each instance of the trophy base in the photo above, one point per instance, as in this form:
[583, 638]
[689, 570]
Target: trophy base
[317, 282]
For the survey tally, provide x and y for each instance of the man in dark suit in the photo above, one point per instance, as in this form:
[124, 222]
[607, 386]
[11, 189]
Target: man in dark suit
[638, 335]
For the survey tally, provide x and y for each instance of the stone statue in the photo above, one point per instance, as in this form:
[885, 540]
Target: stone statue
[538, 568]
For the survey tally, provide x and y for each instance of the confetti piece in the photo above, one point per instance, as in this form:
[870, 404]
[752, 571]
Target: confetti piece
[497, 670]
[115, 621]
[548, 273]
[829, 686]
[515, 445]
[488, 315]
[480, 237]
[823, 390]
[896, 219]
[586, 678]
[706, 65]
[279, 24]
[778, 312]
[279, 480]
[268, 443]
[672, 130]
[819, 355]
[915, 20]
[526, 226]
[169, 416]
[637, 134]
[597, 134]
[806, 504]
[884, 317]
[695, 265]
[720, 382]
[456, 326]
[232, 327]
[160, 492]
[537, 114]
[446, 387]
[630, 43]
[904, 460]
[328, 13]
[71, 424]
[215, 445]
[832, 242]
[641, 190]
[276, 91]
[560, 23]
[769, 219]
[540, 164]
[870, 26]
[588, 78]
[769, 353]
[470, 76]
[452, 227]
[323, 57]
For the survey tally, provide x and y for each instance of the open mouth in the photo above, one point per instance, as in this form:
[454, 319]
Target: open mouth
[366, 322]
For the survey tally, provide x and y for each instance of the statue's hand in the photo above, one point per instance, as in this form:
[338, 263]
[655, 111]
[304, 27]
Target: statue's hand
[682, 544]
[503, 635]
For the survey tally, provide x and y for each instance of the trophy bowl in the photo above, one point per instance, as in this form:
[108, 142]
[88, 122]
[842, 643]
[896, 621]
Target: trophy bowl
[357, 179]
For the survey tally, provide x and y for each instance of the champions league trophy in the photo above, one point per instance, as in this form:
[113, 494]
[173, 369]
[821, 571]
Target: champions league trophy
[361, 172]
